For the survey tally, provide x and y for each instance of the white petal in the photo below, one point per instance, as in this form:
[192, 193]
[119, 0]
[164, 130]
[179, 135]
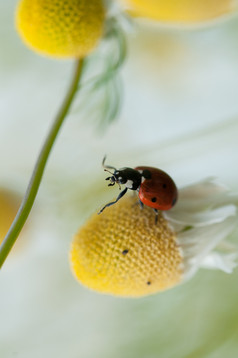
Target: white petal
[203, 195]
[224, 262]
[197, 243]
[202, 189]
[201, 218]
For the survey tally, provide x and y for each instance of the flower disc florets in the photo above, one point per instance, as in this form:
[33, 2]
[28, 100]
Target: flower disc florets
[61, 28]
[123, 252]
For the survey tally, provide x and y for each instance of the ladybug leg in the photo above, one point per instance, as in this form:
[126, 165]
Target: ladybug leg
[156, 215]
[114, 202]
[141, 204]
[138, 202]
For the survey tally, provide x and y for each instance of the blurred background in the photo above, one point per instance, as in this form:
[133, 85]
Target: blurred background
[179, 113]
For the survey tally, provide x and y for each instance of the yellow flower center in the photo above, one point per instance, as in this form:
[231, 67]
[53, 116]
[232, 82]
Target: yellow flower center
[123, 252]
[180, 11]
[61, 28]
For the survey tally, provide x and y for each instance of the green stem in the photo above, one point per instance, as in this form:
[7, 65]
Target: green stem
[38, 171]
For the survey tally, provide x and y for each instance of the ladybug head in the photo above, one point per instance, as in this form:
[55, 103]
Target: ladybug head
[128, 176]
[119, 177]
[115, 177]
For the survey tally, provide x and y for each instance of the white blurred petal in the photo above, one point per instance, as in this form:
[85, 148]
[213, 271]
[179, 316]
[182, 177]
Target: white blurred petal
[223, 262]
[197, 243]
[204, 194]
[202, 218]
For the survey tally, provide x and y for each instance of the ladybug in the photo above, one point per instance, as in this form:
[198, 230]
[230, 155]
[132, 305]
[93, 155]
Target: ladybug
[156, 188]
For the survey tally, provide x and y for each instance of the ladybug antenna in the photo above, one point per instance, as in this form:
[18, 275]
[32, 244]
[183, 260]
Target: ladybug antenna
[112, 178]
[107, 166]
[106, 170]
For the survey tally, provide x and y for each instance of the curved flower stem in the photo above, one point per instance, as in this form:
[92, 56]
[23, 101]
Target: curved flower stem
[38, 171]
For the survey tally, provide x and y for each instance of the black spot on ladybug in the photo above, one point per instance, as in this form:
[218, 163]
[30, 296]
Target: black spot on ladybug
[124, 252]
[148, 283]
[164, 186]
[154, 199]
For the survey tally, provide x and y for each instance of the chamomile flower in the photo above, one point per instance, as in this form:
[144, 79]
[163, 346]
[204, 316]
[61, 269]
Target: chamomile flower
[61, 28]
[180, 12]
[123, 252]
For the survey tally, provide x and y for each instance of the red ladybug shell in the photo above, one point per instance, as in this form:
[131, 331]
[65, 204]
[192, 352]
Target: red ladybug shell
[160, 191]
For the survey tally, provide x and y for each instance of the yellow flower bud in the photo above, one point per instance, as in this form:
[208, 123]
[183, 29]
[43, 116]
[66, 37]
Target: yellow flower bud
[123, 252]
[61, 28]
[180, 11]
